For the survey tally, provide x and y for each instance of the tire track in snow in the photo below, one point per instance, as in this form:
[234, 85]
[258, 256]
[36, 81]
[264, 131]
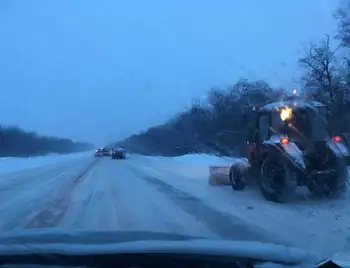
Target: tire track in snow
[81, 197]
[225, 225]
[56, 209]
[146, 208]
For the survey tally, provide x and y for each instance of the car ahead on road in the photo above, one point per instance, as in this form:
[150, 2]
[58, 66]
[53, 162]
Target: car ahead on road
[119, 153]
[102, 152]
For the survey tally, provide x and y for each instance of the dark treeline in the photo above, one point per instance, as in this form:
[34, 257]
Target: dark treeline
[19, 143]
[218, 124]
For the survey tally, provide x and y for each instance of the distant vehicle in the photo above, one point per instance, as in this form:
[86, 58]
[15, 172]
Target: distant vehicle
[102, 152]
[119, 152]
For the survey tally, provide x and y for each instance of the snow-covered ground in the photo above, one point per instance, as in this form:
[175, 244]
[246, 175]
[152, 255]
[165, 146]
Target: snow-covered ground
[314, 224]
[160, 194]
[11, 164]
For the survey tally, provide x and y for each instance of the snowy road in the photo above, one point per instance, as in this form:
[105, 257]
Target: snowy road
[110, 194]
[164, 195]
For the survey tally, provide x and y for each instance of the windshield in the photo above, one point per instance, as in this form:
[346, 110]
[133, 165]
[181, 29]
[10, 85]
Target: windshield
[156, 116]
[304, 125]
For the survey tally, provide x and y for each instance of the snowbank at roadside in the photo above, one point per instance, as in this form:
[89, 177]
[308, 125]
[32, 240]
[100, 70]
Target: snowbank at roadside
[207, 160]
[194, 160]
[12, 164]
[189, 165]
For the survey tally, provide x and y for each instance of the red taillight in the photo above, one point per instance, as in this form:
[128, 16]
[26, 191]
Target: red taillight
[284, 140]
[337, 139]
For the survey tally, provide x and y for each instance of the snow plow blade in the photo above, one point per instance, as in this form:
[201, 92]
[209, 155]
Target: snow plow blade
[219, 175]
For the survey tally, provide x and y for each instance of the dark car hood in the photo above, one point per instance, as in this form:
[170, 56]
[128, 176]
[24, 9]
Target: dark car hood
[48, 236]
[99, 242]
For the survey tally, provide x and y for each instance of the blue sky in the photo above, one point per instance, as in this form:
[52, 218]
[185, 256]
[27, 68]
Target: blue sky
[101, 70]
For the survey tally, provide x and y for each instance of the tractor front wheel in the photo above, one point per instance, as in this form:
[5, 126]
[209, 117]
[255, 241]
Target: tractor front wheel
[272, 180]
[236, 179]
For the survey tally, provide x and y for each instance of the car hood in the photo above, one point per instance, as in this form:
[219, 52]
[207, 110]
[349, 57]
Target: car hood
[342, 259]
[99, 242]
[49, 236]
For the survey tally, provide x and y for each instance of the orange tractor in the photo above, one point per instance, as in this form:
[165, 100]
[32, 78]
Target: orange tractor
[289, 144]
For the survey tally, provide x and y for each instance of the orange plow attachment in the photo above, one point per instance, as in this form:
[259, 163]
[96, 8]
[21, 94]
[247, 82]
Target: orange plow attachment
[219, 175]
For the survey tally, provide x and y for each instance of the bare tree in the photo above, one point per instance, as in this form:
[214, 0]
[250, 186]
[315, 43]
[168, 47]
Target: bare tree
[342, 16]
[321, 77]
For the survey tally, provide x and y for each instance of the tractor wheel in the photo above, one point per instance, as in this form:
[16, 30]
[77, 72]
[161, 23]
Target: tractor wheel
[236, 179]
[272, 180]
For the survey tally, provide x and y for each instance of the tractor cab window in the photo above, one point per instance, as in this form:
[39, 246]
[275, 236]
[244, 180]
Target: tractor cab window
[264, 124]
[305, 124]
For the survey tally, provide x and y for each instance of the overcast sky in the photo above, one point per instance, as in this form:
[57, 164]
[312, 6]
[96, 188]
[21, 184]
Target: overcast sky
[101, 70]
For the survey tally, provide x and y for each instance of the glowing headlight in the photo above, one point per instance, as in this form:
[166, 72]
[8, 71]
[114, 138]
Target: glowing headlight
[286, 113]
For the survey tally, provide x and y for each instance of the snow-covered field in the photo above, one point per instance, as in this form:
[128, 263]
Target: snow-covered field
[79, 191]
[10, 164]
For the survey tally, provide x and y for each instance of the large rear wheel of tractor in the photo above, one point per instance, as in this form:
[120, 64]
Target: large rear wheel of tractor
[330, 187]
[236, 179]
[272, 180]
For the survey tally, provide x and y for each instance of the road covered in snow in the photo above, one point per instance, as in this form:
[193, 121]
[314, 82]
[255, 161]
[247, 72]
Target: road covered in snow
[163, 195]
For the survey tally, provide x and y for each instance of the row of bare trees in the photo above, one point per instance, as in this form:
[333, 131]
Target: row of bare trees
[218, 124]
[19, 143]
[215, 125]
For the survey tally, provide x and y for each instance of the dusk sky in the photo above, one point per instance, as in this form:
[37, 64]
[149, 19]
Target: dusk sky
[101, 70]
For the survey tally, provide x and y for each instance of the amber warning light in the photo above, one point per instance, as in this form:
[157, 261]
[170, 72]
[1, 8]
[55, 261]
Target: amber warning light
[337, 139]
[284, 140]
